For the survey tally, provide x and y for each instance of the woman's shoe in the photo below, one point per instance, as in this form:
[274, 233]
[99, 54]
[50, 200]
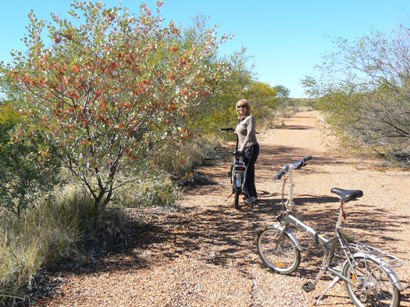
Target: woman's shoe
[250, 201]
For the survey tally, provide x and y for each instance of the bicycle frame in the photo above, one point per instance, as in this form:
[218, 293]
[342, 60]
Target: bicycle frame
[328, 245]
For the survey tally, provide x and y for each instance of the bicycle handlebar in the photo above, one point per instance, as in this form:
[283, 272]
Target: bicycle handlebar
[227, 129]
[282, 172]
[297, 165]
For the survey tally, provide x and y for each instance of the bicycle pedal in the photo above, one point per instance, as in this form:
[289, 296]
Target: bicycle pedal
[309, 286]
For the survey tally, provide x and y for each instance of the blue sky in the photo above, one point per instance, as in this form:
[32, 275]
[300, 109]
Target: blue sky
[285, 38]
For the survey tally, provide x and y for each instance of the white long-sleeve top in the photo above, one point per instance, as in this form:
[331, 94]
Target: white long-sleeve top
[246, 132]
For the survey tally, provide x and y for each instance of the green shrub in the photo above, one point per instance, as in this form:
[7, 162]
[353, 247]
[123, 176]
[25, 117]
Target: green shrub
[27, 169]
[155, 189]
[364, 85]
[179, 160]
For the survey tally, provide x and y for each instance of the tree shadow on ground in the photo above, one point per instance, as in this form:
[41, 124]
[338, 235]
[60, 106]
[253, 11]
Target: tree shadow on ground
[283, 155]
[294, 127]
[221, 234]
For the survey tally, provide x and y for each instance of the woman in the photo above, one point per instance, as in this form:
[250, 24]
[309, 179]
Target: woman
[248, 145]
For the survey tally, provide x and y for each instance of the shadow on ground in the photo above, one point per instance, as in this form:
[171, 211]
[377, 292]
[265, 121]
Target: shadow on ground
[219, 234]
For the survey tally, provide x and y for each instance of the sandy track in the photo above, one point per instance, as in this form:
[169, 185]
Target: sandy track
[204, 253]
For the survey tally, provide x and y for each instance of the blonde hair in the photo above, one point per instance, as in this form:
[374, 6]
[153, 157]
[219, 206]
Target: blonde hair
[244, 102]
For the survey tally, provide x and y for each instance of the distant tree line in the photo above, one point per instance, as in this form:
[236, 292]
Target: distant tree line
[364, 85]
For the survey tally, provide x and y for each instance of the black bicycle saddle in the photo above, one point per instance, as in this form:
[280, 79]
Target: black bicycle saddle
[347, 195]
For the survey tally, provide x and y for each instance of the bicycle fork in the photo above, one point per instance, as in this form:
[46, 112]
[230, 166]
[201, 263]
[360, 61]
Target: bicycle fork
[237, 176]
[326, 268]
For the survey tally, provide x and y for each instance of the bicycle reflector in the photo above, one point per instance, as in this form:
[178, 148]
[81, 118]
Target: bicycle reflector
[240, 167]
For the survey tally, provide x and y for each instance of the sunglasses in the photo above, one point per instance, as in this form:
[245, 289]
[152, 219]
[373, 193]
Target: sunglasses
[238, 107]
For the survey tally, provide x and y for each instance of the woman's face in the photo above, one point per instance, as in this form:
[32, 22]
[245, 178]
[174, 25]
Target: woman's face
[242, 109]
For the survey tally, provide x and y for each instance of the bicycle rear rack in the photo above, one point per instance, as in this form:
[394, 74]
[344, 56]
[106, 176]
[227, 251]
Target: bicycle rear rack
[385, 257]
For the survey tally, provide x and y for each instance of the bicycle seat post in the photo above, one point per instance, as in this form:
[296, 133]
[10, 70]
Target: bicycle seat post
[342, 214]
[290, 204]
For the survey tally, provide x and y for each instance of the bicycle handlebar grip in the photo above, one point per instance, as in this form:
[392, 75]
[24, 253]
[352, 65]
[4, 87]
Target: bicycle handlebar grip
[308, 158]
[280, 174]
[302, 163]
[227, 129]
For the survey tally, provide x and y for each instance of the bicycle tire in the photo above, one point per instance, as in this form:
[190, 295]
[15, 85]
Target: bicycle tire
[236, 199]
[374, 286]
[282, 258]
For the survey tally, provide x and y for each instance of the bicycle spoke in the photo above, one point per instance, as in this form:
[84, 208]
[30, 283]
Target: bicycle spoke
[371, 285]
[280, 255]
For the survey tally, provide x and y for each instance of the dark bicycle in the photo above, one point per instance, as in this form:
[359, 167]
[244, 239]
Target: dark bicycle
[237, 173]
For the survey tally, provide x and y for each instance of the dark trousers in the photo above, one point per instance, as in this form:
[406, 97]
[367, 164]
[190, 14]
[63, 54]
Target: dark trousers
[251, 154]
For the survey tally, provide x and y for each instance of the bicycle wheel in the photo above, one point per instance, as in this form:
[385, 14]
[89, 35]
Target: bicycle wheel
[236, 199]
[280, 255]
[370, 285]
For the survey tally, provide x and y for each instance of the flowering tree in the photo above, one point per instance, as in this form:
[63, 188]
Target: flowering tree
[109, 87]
